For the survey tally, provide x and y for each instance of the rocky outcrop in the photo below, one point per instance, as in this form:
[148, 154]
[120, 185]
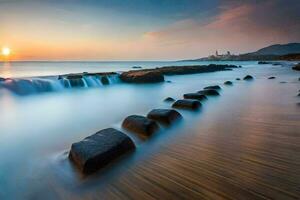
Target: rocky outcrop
[209, 92]
[104, 80]
[142, 76]
[140, 124]
[213, 87]
[157, 75]
[187, 104]
[76, 82]
[228, 83]
[248, 78]
[296, 67]
[99, 149]
[164, 116]
[196, 96]
[169, 99]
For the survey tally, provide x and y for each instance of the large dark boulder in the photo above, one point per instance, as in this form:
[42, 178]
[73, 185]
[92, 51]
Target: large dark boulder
[197, 96]
[213, 87]
[187, 104]
[248, 77]
[228, 83]
[142, 76]
[296, 67]
[209, 92]
[140, 124]
[165, 116]
[99, 149]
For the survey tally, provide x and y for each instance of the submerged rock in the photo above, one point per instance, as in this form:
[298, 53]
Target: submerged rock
[197, 96]
[263, 62]
[209, 92]
[104, 80]
[165, 116]
[136, 67]
[272, 77]
[213, 87]
[248, 77]
[238, 79]
[140, 124]
[187, 104]
[99, 149]
[142, 77]
[228, 83]
[169, 99]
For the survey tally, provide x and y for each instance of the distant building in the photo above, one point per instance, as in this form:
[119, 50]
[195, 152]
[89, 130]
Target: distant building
[218, 56]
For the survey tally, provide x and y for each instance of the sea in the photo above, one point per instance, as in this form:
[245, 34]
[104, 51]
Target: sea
[39, 122]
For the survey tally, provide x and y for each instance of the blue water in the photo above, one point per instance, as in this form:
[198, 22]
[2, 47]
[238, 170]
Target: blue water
[37, 130]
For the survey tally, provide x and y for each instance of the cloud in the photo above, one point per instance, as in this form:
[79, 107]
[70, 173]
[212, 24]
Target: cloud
[240, 26]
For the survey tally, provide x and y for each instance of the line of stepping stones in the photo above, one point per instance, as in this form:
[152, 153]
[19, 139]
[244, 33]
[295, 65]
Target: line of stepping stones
[99, 149]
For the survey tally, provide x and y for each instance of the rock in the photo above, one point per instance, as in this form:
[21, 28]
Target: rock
[263, 62]
[169, 99]
[228, 83]
[213, 87]
[248, 77]
[272, 77]
[140, 124]
[196, 96]
[99, 149]
[296, 67]
[169, 81]
[2, 79]
[73, 76]
[282, 82]
[76, 82]
[104, 80]
[298, 95]
[165, 116]
[238, 79]
[136, 67]
[187, 104]
[140, 76]
[209, 92]
[276, 64]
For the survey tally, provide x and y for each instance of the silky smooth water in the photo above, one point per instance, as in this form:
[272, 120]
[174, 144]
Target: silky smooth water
[38, 130]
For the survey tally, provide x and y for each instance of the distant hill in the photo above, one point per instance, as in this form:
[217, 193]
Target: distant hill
[290, 51]
[279, 49]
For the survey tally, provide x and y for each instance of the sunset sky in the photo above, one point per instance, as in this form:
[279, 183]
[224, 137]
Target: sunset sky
[143, 29]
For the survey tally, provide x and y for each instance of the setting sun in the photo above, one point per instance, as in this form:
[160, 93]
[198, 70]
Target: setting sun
[5, 51]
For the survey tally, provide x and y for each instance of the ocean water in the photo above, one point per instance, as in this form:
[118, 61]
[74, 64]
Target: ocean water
[30, 69]
[37, 130]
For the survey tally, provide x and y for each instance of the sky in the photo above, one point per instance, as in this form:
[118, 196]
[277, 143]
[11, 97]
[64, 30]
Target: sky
[143, 29]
